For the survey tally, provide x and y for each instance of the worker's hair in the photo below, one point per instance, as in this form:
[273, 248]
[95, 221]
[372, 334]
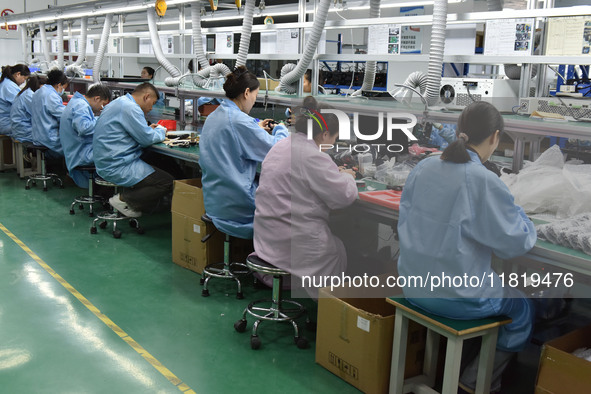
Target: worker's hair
[55, 77]
[478, 121]
[34, 83]
[143, 87]
[311, 110]
[98, 89]
[308, 75]
[150, 71]
[9, 71]
[238, 81]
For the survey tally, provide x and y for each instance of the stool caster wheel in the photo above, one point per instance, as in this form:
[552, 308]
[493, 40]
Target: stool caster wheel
[81, 207]
[27, 187]
[205, 293]
[44, 189]
[240, 325]
[133, 224]
[106, 205]
[61, 186]
[91, 214]
[240, 295]
[72, 212]
[93, 230]
[301, 342]
[34, 183]
[140, 231]
[201, 281]
[311, 326]
[103, 224]
[255, 342]
[117, 234]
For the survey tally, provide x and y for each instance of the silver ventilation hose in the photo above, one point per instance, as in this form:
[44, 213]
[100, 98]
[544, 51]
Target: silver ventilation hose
[370, 66]
[416, 80]
[201, 78]
[245, 34]
[168, 66]
[197, 38]
[23, 29]
[44, 42]
[288, 83]
[60, 44]
[96, 69]
[436, 50]
[82, 49]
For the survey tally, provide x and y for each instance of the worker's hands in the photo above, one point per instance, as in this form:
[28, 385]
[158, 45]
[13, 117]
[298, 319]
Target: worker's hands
[265, 125]
[154, 125]
[347, 171]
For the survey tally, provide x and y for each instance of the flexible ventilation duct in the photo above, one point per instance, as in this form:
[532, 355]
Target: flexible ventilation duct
[44, 42]
[60, 44]
[197, 37]
[245, 34]
[23, 29]
[168, 66]
[370, 67]
[203, 77]
[82, 42]
[288, 83]
[436, 50]
[98, 60]
[416, 80]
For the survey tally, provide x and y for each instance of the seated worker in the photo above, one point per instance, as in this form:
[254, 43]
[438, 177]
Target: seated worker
[147, 73]
[474, 216]
[231, 146]
[120, 135]
[11, 79]
[20, 113]
[155, 113]
[45, 119]
[77, 129]
[307, 82]
[298, 188]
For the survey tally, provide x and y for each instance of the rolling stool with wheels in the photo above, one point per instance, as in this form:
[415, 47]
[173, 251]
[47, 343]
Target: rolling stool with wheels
[89, 199]
[44, 175]
[223, 270]
[276, 311]
[113, 215]
[456, 331]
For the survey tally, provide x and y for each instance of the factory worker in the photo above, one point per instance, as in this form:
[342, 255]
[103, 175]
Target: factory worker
[48, 108]
[120, 135]
[20, 113]
[12, 77]
[77, 129]
[155, 113]
[307, 88]
[454, 214]
[231, 146]
[147, 73]
[299, 186]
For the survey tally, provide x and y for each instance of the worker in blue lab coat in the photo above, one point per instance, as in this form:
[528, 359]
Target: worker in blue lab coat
[155, 113]
[77, 129]
[12, 77]
[232, 144]
[454, 214]
[48, 108]
[120, 135]
[20, 113]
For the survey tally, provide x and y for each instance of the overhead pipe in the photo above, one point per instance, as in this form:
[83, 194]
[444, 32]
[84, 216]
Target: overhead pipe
[197, 37]
[96, 69]
[60, 44]
[44, 42]
[436, 51]
[82, 49]
[23, 29]
[370, 66]
[168, 66]
[288, 83]
[246, 32]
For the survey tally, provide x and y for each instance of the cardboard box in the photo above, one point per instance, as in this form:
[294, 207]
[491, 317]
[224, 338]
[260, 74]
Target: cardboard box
[354, 341]
[188, 229]
[561, 372]
[272, 84]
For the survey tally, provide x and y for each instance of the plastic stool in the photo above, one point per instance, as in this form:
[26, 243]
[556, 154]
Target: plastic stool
[225, 269]
[276, 311]
[456, 331]
[113, 215]
[89, 199]
[43, 175]
[20, 149]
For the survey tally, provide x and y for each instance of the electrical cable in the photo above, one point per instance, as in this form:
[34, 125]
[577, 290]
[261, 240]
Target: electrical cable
[469, 93]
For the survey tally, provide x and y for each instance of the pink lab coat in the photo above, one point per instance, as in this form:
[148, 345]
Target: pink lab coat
[299, 185]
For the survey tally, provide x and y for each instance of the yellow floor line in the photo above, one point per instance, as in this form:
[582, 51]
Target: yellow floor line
[108, 322]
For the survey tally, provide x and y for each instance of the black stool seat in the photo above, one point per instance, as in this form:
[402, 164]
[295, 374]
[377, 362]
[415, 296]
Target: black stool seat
[86, 168]
[257, 264]
[30, 145]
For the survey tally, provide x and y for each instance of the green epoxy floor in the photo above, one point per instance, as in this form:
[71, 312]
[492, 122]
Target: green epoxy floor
[51, 343]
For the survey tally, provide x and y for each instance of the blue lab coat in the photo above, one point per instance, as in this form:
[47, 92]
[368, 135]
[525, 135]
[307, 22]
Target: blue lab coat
[76, 131]
[45, 118]
[453, 217]
[20, 116]
[120, 135]
[8, 91]
[232, 145]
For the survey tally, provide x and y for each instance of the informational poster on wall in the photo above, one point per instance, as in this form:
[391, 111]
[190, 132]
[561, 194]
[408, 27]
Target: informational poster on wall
[569, 36]
[411, 37]
[166, 43]
[509, 37]
[54, 46]
[145, 46]
[37, 46]
[288, 41]
[460, 39]
[268, 43]
[224, 43]
[90, 45]
[113, 44]
[383, 39]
